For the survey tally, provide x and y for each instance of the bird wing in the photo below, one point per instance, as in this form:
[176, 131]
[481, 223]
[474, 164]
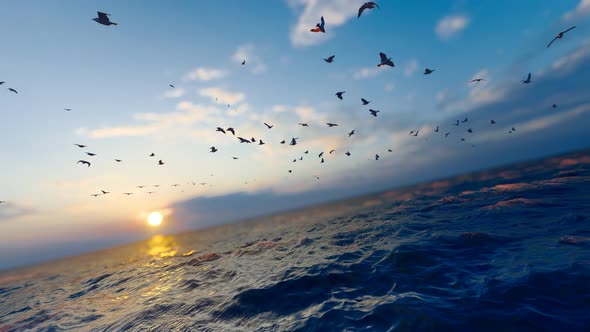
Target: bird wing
[383, 57]
[568, 30]
[529, 77]
[103, 16]
[322, 22]
[363, 7]
[374, 4]
[554, 39]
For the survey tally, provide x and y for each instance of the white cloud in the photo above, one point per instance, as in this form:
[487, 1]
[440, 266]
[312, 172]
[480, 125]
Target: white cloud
[389, 87]
[253, 62]
[451, 25]
[411, 67]
[582, 10]
[369, 72]
[175, 93]
[220, 96]
[205, 74]
[335, 12]
[570, 61]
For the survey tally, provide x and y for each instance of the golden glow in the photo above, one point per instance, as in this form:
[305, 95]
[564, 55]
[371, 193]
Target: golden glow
[162, 246]
[155, 219]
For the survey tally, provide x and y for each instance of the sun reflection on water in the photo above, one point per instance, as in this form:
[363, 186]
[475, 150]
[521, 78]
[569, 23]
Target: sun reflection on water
[162, 246]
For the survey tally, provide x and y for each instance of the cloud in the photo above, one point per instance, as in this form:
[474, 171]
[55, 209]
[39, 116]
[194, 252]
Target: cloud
[221, 96]
[205, 74]
[582, 10]
[389, 87]
[411, 67]
[450, 26]
[369, 72]
[335, 12]
[10, 210]
[568, 62]
[253, 62]
[175, 93]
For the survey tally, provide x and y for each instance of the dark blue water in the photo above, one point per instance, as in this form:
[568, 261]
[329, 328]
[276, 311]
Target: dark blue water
[503, 250]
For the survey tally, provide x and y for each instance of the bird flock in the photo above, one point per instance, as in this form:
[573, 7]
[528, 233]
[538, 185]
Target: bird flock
[384, 60]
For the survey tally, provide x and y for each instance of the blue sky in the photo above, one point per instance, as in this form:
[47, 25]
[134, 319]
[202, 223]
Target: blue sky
[116, 81]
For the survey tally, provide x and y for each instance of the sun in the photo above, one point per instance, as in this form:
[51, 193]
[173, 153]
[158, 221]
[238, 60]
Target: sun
[155, 219]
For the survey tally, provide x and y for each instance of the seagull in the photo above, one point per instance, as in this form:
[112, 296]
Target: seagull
[470, 131]
[118, 160]
[447, 135]
[560, 35]
[331, 124]
[105, 192]
[492, 122]
[293, 141]
[80, 145]
[477, 80]
[160, 162]
[416, 133]
[261, 143]
[243, 62]
[376, 157]
[213, 149]
[385, 61]
[320, 155]
[103, 18]
[347, 153]
[83, 162]
[320, 26]
[172, 86]
[367, 5]
[428, 71]
[91, 154]
[231, 130]
[365, 102]
[67, 109]
[332, 151]
[465, 120]
[411, 133]
[436, 130]
[152, 155]
[351, 133]
[339, 94]
[304, 125]
[268, 126]
[127, 194]
[13, 90]
[554, 105]
[373, 112]
[330, 59]
[219, 129]
[528, 79]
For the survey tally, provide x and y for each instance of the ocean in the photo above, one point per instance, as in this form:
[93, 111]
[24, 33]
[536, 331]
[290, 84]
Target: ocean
[499, 250]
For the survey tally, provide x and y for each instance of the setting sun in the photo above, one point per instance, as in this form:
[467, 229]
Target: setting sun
[155, 219]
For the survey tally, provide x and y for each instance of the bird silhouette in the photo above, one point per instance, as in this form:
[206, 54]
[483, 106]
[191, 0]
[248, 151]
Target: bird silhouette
[172, 86]
[528, 79]
[554, 106]
[160, 162]
[219, 129]
[303, 124]
[293, 141]
[320, 155]
[91, 154]
[118, 160]
[492, 122]
[105, 192]
[428, 71]
[376, 157]
[329, 124]
[231, 130]
[283, 142]
[465, 120]
[347, 153]
[367, 5]
[322, 161]
[13, 90]
[560, 35]
[83, 162]
[95, 195]
[373, 112]
[235, 158]
[128, 194]
[332, 151]
[213, 149]
[456, 123]
[253, 140]
[364, 101]
[447, 135]
[152, 154]
[306, 151]
[176, 185]
[330, 59]
[320, 27]
[385, 61]
[436, 130]
[477, 80]
[261, 143]
[103, 18]
[67, 109]
[80, 145]
[351, 133]
[268, 126]
[339, 94]
[243, 62]
[470, 131]
[140, 187]
[150, 192]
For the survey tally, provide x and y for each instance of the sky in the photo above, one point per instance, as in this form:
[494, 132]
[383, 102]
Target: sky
[116, 81]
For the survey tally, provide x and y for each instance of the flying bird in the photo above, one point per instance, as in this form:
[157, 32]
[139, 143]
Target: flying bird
[219, 129]
[367, 5]
[261, 143]
[385, 61]
[213, 149]
[67, 109]
[13, 90]
[470, 131]
[465, 120]
[234, 158]
[560, 35]
[253, 140]
[231, 130]
[320, 26]
[283, 142]
[447, 135]
[127, 194]
[492, 122]
[373, 112]
[322, 161]
[304, 125]
[172, 86]
[103, 18]
[150, 192]
[140, 187]
[268, 126]
[83, 162]
[91, 154]
[293, 141]
[176, 185]
[306, 151]
[347, 153]
[105, 192]
[389, 150]
[428, 71]
[118, 160]
[290, 171]
[156, 185]
[332, 151]
[456, 123]
[554, 105]
[331, 124]
[376, 157]
[365, 102]
[528, 79]
[80, 145]
[160, 162]
[330, 59]
[243, 62]
[436, 130]
[95, 195]
[477, 80]
[321, 154]
[351, 133]
[2, 83]
[339, 94]
[152, 154]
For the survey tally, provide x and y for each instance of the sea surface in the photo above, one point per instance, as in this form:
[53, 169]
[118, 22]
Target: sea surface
[500, 250]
